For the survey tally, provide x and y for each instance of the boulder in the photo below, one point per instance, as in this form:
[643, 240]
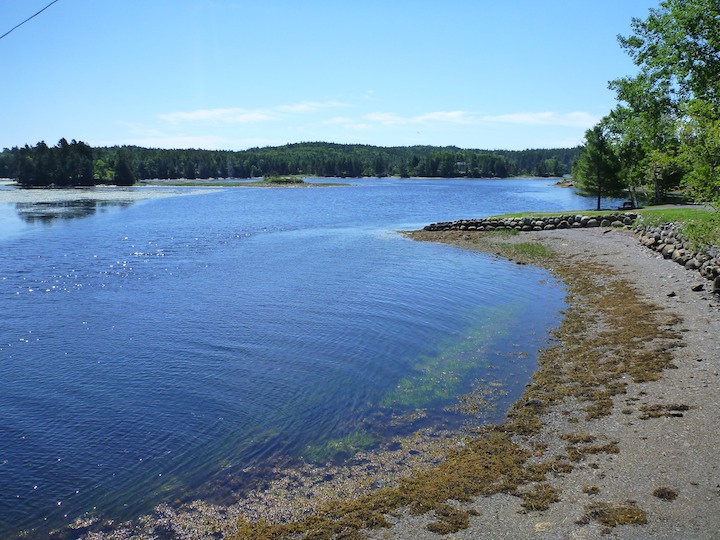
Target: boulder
[668, 251]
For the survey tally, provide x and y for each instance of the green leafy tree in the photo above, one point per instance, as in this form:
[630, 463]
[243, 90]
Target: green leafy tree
[701, 149]
[675, 98]
[630, 146]
[102, 172]
[677, 48]
[596, 171]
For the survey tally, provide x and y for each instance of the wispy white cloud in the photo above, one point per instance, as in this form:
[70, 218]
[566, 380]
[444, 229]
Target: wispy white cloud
[359, 126]
[335, 120]
[232, 115]
[311, 106]
[237, 115]
[339, 120]
[394, 119]
[573, 119]
[387, 119]
[348, 123]
[456, 117]
[196, 141]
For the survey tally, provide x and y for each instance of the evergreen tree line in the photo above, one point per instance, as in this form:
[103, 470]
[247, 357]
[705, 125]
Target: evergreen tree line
[76, 163]
[64, 165]
[664, 133]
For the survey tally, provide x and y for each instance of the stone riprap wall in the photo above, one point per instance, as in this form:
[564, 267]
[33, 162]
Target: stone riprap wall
[667, 240]
[536, 223]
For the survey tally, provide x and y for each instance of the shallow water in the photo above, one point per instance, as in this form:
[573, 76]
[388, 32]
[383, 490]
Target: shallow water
[149, 347]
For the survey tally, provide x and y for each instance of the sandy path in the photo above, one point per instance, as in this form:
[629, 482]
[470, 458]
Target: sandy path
[681, 453]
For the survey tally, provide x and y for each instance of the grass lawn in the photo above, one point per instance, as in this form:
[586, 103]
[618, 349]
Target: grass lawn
[699, 224]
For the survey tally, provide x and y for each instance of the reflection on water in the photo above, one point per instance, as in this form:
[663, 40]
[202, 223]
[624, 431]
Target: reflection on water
[47, 212]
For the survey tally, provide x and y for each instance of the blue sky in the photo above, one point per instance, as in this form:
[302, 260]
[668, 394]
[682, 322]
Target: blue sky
[234, 74]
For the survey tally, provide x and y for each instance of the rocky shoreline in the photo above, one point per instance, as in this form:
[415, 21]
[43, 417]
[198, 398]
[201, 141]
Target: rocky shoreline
[667, 239]
[536, 224]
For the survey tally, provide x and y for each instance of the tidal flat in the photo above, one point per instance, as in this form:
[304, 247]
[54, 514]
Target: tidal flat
[10, 193]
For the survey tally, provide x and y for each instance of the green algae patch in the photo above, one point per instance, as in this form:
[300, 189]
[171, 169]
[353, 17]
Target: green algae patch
[483, 398]
[443, 376]
[502, 242]
[342, 447]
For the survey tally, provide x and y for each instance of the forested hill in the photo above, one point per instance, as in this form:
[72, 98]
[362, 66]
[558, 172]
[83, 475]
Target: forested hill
[76, 163]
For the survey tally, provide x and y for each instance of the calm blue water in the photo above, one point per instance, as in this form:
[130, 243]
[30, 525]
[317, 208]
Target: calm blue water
[149, 348]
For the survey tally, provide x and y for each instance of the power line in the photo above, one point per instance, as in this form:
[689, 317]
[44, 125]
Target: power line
[30, 17]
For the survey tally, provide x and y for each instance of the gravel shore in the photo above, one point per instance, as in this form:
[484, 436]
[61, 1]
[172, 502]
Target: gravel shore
[667, 432]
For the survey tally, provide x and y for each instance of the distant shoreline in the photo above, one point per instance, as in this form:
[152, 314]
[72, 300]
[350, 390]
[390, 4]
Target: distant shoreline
[10, 192]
